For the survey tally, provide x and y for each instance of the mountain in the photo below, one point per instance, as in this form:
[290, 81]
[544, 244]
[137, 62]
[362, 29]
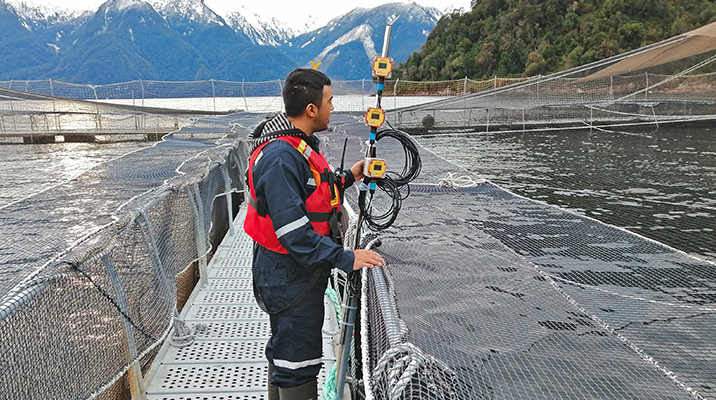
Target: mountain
[127, 40]
[36, 17]
[185, 40]
[266, 32]
[206, 32]
[22, 53]
[231, 53]
[51, 24]
[526, 37]
[347, 45]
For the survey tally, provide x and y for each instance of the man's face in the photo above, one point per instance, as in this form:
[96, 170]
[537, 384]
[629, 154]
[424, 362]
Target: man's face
[324, 112]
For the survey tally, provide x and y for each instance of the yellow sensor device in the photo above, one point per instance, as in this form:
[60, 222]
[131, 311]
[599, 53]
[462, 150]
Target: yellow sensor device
[374, 167]
[375, 117]
[382, 67]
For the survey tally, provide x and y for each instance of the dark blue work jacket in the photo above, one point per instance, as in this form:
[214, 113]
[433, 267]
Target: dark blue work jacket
[283, 181]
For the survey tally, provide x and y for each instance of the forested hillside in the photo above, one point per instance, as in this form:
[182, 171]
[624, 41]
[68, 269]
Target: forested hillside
[529, 37]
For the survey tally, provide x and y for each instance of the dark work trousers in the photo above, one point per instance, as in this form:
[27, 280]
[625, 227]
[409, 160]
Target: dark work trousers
[296, 344]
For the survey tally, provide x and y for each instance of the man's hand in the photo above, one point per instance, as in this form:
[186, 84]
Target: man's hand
[366, 259]
[357, 170]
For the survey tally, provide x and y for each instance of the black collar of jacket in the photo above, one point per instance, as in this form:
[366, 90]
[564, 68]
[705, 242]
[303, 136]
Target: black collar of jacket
[310, 140]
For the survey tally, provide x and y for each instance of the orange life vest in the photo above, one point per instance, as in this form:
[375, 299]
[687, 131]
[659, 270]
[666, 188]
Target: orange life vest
[322, 205]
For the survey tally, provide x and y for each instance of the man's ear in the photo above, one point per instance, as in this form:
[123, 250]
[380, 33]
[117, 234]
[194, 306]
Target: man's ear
[311, 110]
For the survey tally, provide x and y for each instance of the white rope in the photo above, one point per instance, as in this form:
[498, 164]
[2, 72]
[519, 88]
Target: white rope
[184, 336]
[451, 180]
[401, 363]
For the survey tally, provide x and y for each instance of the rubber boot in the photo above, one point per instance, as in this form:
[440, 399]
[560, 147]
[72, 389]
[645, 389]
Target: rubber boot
[272, 389]
[307, 391]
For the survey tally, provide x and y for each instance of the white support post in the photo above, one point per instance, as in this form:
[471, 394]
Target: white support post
[229, 201]
[213, 93]
[362, 94]
[96, 104]
[488, 121]
[243, 93]
[280, 91]
[395, 94]
[611, 88]
[200, 233]
[134, 374]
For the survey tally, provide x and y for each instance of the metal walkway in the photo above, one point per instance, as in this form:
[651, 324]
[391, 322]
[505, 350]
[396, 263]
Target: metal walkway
[226, 361]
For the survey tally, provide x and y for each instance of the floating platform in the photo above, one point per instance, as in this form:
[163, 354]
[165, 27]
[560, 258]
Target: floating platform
[226, 359]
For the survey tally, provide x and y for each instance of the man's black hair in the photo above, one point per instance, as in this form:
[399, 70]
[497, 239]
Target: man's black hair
[303, 86]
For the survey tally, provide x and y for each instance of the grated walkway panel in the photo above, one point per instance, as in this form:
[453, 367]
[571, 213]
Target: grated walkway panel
[226, 360]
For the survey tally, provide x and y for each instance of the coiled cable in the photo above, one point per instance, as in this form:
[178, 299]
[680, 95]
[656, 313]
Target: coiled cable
[393, 184]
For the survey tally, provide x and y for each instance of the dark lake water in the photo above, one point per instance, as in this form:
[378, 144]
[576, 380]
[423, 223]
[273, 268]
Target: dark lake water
[659, 184]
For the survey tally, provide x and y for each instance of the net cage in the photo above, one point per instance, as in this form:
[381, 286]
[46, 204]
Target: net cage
[641, 94]
[488, 294]
[90, 269]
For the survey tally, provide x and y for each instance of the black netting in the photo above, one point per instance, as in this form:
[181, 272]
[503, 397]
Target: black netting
[487, 294]
[88, 270]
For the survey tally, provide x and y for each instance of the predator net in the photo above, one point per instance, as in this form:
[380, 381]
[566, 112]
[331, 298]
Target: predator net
[488, 294]
[88, 269]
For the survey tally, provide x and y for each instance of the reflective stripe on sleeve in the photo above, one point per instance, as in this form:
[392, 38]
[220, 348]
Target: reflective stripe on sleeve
[296, 365]
[292, 226]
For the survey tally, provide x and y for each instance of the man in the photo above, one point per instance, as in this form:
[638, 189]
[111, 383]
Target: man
[292, 212]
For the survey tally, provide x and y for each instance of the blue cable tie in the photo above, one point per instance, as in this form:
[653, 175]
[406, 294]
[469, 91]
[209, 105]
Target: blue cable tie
[372, 136]
[380, 86]
[372, 186]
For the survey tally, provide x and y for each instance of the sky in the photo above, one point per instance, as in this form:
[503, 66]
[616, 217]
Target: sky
[296, 13]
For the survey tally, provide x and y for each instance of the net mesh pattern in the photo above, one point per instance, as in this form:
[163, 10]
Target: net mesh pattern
[487, 294]
[88, 271]
[571, 99]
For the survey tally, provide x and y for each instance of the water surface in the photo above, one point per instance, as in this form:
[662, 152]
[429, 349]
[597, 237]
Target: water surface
[660, 184]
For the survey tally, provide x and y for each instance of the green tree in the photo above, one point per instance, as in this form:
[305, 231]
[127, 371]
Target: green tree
[529, 37]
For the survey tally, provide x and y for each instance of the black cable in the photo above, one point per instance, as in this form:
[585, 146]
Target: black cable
[413, 164]
[378, 222]
[394, 185]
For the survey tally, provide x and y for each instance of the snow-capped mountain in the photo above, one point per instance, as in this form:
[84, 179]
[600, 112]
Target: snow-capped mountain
[267, 32]
[126, 40]
[346, 46]
[40, 16]
[205, 31]
[50, 23]
[22, 53]
[194, 11]
[229, 52]
[186, 40]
